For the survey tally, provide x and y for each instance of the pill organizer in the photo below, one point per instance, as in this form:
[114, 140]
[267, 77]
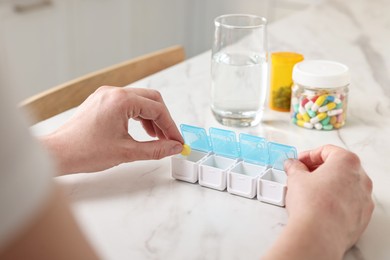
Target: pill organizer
[246, 167]
[185, 168]
[272, 185]
[242, 179]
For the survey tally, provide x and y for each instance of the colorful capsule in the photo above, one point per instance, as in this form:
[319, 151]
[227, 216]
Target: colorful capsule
[306, 117]
[311, 113]
[327, 127]
[304, 124]
[340, 118]
[333, 120]
[314, 99]
[318, 118]
[325, 121]
[330, 98]
[304, 102]
[309, 104]
[337, 125]
[320, 100]
[335, 112]
[302, 110]
[337, 100]
[327, 107]
[318, 126]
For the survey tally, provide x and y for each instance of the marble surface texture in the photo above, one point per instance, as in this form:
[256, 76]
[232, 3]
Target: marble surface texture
[138, 211]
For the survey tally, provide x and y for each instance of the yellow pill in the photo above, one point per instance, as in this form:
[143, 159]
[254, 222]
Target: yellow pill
[327, 107]
[306, 117]
[320, 100]
[304, 124]
[186, 150]
[318, 118]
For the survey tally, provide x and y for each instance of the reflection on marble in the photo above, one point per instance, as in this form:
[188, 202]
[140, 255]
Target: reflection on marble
[137, 211]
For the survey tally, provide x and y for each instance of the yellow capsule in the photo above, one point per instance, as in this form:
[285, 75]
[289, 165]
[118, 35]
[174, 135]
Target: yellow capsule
[322, 116]
[306, 117]
[320, 100]
[327, 107]
[318, 118]
[186, 150]
[299, 116]
[304, 124]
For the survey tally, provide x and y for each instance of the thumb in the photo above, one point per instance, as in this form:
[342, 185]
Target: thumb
[156, 149]
[293, 166]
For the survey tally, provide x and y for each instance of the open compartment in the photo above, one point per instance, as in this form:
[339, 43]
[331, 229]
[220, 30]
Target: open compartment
[272, 185]
[213, 170]
[185, 168]
[242, 179]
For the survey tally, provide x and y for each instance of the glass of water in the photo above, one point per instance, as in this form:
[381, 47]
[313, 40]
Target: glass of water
[239, 69]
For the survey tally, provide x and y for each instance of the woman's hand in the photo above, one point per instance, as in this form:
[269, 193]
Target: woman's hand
[97, 136]
[329, 205]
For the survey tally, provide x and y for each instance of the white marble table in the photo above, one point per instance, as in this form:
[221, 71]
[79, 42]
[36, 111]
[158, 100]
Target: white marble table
[137, 211]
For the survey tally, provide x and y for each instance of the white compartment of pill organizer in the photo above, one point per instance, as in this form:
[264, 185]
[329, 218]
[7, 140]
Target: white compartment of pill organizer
[272, 185]
[185, 168]
[242, 179]
[213, 171]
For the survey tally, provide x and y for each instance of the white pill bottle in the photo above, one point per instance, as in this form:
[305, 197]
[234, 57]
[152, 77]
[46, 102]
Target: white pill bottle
[319, 96]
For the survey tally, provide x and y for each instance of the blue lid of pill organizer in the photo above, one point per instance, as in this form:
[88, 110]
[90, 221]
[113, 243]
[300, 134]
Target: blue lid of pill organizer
[254, 149]
[196, 137]
[278, 153]
[224, 142]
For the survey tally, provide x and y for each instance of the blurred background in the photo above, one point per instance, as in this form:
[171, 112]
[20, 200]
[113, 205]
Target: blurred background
[46, 42]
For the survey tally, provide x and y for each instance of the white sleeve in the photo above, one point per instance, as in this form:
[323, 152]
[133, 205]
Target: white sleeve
[25, 172]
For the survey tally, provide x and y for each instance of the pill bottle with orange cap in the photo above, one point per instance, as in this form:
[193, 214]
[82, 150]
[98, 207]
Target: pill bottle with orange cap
[320, 94]
[282, 64]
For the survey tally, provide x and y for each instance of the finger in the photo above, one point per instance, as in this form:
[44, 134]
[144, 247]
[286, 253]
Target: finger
[316, 157]
[155, 111]
[148, 126]
[154, 150]
[294, 167]
[156, 96]
[158, 131]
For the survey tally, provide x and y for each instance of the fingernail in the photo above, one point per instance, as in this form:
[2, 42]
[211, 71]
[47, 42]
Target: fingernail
[177, 148]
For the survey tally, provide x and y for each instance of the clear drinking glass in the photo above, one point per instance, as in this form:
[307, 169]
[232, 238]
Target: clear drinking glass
[239, 69]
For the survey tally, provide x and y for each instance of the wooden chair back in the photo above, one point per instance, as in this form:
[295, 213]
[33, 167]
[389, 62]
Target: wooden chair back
[71, 94]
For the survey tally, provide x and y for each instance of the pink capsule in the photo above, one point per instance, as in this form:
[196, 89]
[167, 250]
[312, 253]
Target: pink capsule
[304, 101]
[340, 118]
[335, 112]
